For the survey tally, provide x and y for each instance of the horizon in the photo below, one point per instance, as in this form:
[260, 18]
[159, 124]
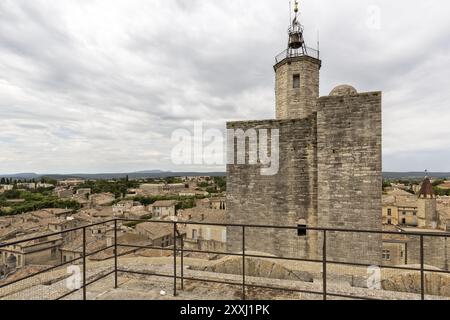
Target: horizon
[156, 171]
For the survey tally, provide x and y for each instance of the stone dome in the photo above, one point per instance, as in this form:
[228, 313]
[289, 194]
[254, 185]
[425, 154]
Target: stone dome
[343, 90]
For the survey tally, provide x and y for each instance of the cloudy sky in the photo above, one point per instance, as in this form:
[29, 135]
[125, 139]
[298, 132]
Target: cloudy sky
[101, 85]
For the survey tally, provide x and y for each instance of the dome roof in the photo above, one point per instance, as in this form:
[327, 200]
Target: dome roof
[343, 90]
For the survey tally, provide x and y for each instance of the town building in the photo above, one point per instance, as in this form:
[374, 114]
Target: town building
[43, 251]
[163, 208]
[203, 236]
[159, 234]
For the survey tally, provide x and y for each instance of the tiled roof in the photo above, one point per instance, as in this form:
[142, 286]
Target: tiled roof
[164, 203]
[156, 230]
[426, 190]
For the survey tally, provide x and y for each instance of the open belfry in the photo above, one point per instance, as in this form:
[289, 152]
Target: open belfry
[329, 171]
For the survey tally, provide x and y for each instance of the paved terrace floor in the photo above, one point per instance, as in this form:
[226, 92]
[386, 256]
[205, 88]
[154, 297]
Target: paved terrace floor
[137, 287]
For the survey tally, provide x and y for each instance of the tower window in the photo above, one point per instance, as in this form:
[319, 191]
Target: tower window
[296, 81]
[301, 230]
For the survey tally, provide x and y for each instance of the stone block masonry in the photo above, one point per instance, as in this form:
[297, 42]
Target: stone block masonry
[282, 199]
[296, 100]
[349, 174]
[329, 176]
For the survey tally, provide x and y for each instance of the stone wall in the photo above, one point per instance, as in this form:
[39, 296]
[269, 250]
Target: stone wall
[436, 251]
[282, 199]
[427, 213]
[349, 174]
[294, 103]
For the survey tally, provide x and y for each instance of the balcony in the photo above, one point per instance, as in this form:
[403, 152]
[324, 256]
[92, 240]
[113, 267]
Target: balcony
[178, 274]
[293, 53]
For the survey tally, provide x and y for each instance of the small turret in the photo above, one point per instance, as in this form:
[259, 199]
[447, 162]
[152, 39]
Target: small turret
[297, 75]
[427, 213]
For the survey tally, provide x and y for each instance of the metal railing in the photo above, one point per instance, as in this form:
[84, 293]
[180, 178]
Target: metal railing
[293, 53]
[83, 257]
[181, 250]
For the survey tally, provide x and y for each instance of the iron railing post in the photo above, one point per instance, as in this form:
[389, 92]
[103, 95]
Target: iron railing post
[422, 274]
[182, 261]
[115, 254]
[174, 258]
[324, 264]
[84, 263]
[243, 262]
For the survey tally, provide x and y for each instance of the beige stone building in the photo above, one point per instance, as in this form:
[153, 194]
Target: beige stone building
[163, 208]
[102, 199]
[160, 189]
[159, 234]
[43, 251]
[217, 203]
[408, 210]
[205, 237]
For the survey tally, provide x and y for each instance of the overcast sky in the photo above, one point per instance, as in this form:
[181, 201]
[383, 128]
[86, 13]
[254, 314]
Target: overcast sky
[100, 85]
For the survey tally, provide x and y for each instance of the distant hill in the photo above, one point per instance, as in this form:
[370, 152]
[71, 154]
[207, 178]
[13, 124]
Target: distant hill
[105, 176]
[21, 175]
[165, 174]
[415, 175]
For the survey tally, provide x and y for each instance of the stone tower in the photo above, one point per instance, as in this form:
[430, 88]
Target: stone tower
[296, 76]
[427, 214]
[329, 170]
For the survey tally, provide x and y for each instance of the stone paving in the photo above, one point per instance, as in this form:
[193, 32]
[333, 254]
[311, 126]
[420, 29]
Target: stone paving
[139, 287]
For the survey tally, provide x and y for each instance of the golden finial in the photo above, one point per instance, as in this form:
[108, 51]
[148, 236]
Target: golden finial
[296, 7]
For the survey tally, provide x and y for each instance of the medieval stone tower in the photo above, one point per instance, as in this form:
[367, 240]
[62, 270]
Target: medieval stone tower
[427, 214]
[329, 171]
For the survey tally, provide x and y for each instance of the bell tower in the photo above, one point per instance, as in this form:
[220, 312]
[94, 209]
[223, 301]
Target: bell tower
[296, 75]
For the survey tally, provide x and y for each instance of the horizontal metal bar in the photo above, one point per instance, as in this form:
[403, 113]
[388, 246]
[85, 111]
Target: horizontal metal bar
[146, 273]
[6, 244]
[338, 295]
[51, 268]
[240, 284]
[98, 251]
[144, 247]
[428, 234]
[100, 278]
[38, 273]
[282, 258]
[67, 294]
[87, 284]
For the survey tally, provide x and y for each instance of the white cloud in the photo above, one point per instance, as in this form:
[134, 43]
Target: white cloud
[100, 85]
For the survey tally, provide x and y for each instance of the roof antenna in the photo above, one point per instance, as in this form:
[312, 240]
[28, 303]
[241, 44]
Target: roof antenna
[318, 42]
[290, 12]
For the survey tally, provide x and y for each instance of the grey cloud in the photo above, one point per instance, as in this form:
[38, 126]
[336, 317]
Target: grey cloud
[103, 85]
